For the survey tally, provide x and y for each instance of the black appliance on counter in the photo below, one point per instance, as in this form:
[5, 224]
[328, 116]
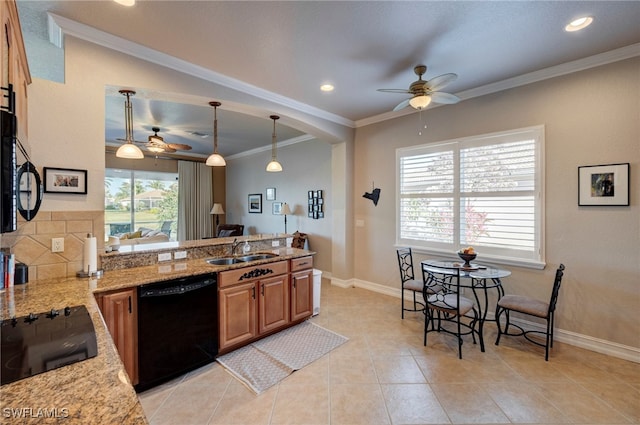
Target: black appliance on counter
[41, 342]
[8, 166]
[177, 328]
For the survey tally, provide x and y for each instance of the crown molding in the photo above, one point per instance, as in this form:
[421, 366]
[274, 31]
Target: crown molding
[521, 80]
[101, 38]
[289, 142]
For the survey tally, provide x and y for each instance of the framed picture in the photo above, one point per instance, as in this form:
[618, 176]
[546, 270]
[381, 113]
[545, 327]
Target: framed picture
[65, 180]
[255, 203]
[603, 185]
[276, 208]
[271, 194]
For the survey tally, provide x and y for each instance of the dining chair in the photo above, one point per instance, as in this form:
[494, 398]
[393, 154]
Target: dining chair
[532, 307]
[408, 281]
[444, 303]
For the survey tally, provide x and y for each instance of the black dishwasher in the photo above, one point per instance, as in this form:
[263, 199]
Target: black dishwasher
[177, 328]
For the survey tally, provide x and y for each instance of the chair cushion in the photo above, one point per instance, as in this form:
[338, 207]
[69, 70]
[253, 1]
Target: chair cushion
[448, 302]
[525, 305]
[414, 285]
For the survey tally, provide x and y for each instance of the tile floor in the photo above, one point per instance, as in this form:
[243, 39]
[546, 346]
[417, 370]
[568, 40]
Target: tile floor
[383, 375]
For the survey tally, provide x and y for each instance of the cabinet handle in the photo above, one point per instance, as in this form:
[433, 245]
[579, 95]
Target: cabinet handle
[263, 289]
[294, 282]
[130, 310]
[253, 292]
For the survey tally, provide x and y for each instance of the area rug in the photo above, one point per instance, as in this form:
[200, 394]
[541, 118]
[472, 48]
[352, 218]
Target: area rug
[266, 362]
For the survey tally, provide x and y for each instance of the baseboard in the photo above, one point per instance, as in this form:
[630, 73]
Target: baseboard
[587, 342]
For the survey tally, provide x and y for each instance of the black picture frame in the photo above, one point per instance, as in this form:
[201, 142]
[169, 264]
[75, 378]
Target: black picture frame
[254, 201]
[65, 180]
[604, 185]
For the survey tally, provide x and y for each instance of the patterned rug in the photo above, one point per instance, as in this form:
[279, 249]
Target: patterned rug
[268, 361]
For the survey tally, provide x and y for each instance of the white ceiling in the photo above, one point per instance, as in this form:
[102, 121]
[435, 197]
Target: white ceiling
[285, 50]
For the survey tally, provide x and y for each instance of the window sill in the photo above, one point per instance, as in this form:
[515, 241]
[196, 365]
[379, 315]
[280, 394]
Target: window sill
[490, 259]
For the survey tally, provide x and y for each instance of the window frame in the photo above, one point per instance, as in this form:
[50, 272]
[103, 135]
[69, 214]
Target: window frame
[445, 249]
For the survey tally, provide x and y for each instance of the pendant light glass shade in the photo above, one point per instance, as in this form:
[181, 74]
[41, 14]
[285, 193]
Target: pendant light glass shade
[274, 166]
[128, 150]
[215, 159]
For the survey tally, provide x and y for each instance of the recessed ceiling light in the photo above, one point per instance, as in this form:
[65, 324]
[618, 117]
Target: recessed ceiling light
[326, 87]
[578, 24]
[126, 2]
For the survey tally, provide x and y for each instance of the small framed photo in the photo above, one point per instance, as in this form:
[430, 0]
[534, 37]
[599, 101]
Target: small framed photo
[271, 194]
[255, 203]
[276, 208]
[603, 185]
[65, 180]
[310, 194]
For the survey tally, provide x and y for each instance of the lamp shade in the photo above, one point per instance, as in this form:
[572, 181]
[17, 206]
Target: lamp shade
[285, 209]
[420, 102]
[217, 209]
[274, 166]
[129, 151]
[216, 160]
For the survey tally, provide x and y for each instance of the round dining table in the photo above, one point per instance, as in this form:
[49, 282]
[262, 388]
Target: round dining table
[480, 279]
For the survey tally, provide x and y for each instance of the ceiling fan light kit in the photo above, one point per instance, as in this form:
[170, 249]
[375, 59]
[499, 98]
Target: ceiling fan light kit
[128, 150]
[274, 166]
[215, 159]
[425, 92]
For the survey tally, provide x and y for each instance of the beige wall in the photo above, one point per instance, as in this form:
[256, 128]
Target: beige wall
[306, 166]
[590, 117]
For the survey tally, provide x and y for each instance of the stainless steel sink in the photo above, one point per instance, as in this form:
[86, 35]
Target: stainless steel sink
[254, 257]
[225, 261]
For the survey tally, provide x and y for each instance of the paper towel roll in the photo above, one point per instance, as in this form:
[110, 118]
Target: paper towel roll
[90, 258]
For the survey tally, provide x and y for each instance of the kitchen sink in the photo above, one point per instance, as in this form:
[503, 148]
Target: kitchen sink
[225, 261]
[254, 257]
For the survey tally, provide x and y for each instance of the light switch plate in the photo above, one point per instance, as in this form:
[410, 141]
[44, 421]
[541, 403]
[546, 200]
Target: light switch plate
[179, 255]
[275, 243]
[164, 256]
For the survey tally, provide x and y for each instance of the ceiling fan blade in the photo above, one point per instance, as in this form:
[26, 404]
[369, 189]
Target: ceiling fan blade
[402, 105]
[403, 91]
[444, 98]
[436, 83]
[179, 146]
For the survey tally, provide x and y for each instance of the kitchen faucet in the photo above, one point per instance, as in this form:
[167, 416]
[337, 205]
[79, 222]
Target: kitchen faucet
[234, 245]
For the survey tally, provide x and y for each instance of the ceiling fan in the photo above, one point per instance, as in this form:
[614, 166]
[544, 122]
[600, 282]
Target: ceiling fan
[425, 91]
[157, 144]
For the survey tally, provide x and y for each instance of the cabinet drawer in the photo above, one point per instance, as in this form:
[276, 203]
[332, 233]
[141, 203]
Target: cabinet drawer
[301, 263]
[247, 274]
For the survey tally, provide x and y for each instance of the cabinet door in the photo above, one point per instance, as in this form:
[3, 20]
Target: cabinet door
[237, 311]
[274, 303]
[301, 294]
[119, 310]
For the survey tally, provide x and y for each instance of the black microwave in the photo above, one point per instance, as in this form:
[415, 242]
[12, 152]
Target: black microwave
[8, 166]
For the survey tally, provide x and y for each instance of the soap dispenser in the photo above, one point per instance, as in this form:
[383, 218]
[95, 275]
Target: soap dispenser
[246, 247]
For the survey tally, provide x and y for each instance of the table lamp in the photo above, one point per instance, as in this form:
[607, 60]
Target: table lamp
[285, 211]
[217, 210]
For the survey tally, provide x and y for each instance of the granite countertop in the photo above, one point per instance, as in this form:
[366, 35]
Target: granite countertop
[97, 390]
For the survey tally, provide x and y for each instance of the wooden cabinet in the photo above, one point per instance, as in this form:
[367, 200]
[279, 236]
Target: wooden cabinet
[252, 302]
[273, 303]
[15, 69]
[301, 288]
[237, 310]
[119, 310]
[256, 301]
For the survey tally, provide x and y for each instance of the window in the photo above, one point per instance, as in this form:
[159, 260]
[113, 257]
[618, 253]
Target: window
[140, 199]
[484, 191]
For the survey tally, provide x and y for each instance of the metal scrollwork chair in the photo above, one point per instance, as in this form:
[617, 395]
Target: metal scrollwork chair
[407, 277]
[444, 303]
[533, 307]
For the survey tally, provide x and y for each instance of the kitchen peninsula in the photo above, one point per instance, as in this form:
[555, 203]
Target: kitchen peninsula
[98, 390]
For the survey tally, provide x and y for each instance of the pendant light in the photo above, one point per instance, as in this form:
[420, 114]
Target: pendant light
[215, 159]
[274, 166]
[128, 150]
